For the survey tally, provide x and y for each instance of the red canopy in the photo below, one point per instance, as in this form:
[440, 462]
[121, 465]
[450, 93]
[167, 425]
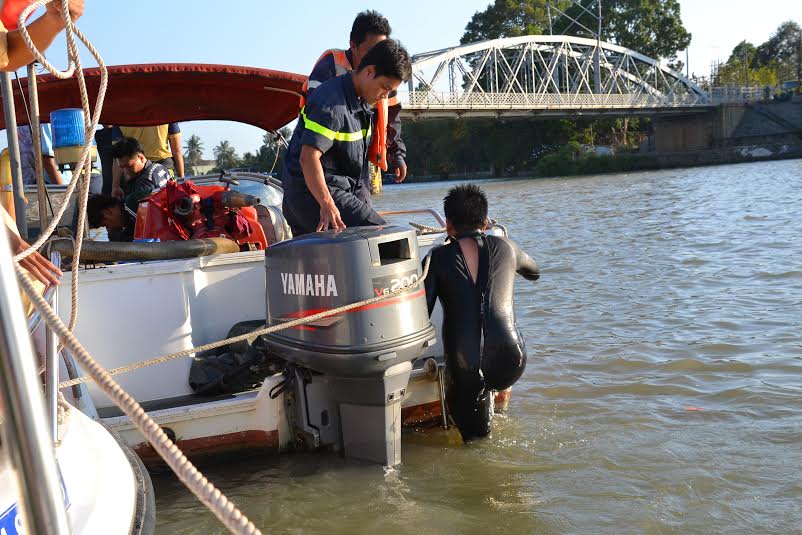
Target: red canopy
[146, 95]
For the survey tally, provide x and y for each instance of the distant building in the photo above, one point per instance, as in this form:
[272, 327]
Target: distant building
[202, 169]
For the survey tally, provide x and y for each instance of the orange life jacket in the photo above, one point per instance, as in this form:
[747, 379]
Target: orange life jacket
[377, 152]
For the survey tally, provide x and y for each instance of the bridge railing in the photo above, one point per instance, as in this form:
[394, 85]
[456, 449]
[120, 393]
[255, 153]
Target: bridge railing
[730, 94]
[423, 100]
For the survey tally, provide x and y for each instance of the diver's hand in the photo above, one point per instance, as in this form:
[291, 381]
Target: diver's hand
[117, 192]
[400, 172]
[76, 9]
[35, 264]
[330, 216]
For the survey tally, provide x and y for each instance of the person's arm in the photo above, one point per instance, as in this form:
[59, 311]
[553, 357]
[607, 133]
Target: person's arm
[320, 124]
[526, 266]
[316, 182]
[35, 264]
[174, 137]
[178, 156]
[116, 175]
[42, 31]
[50, 167]
[396, 150]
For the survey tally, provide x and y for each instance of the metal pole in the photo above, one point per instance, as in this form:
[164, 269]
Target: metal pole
[51, 364]
[36, 135]
[13, 153]
[24, 431]
[597, 55]
[687, 64]
[548, 14]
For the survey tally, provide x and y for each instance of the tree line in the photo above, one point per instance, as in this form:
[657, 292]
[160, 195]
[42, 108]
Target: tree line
[773, 62]
[265, 159]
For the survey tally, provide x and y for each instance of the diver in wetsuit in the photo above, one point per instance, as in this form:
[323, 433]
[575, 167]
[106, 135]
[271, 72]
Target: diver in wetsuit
[473, 276]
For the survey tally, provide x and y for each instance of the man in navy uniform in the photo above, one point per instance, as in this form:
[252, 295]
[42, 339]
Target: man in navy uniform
[388, 151]
[327, 161]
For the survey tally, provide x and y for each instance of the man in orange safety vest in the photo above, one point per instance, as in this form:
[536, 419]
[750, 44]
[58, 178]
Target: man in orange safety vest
[387, 151]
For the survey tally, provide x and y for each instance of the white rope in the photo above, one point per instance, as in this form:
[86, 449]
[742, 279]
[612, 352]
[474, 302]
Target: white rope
[206, 492]
[84, 100]
[426, 229]
[260, 332]
[83, 167]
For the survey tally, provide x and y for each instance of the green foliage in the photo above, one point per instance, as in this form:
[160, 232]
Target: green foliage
[508, 18]
[268, 157]
[744, 52]
[226, 156]
[565, 162]
[193, 153]
[775, 61]
[651, 27]
[444, 147]
[743, 74]
[782, 47]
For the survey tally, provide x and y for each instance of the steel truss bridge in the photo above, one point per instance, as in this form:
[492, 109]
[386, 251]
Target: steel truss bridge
[549, 76]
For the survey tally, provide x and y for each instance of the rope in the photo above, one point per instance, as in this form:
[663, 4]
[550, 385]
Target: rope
[426, 229]
[83, 169]
[206, 492]
[261, 332]
[84, 100]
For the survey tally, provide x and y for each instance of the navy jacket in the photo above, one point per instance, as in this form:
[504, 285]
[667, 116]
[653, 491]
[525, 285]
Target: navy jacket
[338, 123]
[325, 69]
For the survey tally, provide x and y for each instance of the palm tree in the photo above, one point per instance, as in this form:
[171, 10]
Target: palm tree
[225, 155]
[193, 153]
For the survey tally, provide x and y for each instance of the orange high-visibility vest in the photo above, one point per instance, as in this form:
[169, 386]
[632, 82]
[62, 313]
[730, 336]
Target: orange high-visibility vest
[377, 152]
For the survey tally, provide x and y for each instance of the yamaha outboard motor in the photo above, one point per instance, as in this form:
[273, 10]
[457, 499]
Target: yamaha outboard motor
[352, 369]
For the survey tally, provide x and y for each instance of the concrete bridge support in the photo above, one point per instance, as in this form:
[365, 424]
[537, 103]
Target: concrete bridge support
[729, 125]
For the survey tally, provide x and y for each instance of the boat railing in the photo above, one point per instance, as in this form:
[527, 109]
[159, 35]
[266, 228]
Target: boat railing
[422, 211]
[51, 352]
[25, 428]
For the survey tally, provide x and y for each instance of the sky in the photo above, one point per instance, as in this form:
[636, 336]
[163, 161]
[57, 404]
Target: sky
[290, 36]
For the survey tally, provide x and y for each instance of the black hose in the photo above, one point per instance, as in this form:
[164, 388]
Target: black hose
[93, 251]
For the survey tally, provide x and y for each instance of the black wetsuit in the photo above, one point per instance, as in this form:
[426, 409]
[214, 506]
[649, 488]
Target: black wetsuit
[484, 349]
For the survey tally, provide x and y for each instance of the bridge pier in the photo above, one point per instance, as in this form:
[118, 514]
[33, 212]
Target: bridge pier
[730, 132]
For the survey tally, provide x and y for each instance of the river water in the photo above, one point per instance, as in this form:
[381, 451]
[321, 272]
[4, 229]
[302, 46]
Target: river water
[663, 392]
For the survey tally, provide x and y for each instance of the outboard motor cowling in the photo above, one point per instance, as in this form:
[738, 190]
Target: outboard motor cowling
[363, 357]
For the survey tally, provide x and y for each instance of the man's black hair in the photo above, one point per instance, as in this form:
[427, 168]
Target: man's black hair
[390, 58]
[466, 207]
[95, 206]
[369, 22]
[126, 148]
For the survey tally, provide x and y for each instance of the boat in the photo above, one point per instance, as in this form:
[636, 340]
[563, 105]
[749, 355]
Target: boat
[60, 471]
[321, 390]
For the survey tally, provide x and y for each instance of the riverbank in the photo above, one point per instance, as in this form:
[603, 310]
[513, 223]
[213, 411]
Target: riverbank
[727, 134]
[558, 165]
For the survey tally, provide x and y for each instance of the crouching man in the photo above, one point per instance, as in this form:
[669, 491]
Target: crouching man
[473, 276]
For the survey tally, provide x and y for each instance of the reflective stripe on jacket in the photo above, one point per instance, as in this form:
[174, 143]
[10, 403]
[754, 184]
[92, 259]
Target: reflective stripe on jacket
[377, 153]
